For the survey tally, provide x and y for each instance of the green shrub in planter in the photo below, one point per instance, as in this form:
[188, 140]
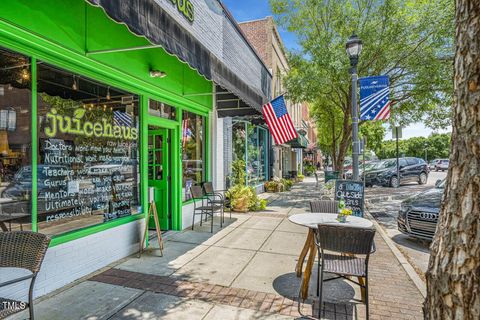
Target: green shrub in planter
[273, 186]
[300, 177]
[287, 184]
[245, 199]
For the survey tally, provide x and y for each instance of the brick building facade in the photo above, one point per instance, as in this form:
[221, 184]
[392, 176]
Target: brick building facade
[263, 35]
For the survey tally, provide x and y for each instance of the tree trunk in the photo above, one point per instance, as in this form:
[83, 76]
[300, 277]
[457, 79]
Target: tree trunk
[453, 276]
[345, 143]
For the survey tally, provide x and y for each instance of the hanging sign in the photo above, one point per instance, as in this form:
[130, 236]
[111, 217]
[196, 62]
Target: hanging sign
[374, 101]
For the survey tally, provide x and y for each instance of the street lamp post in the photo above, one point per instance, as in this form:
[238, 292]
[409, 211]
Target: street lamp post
[354, 48]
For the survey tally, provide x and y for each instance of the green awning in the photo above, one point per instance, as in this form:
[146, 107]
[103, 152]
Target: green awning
[300, 142]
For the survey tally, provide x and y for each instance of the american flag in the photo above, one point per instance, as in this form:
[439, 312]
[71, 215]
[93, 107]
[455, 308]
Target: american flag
[121, 118]
[374, 101]
[278, 120]
[186, 132]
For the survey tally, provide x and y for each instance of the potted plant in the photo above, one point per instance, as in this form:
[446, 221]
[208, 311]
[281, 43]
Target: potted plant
[287, 184]
[271, 186]
[239, 198]
[300, 177]
[343, 212]
[245, 199]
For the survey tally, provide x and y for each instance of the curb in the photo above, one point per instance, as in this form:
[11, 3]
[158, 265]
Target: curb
[421, 286]
[387, 198]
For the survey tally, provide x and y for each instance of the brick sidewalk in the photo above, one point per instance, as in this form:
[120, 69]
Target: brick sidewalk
[392, 294]
[245, 270]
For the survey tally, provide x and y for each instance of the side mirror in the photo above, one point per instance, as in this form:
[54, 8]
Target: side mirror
[437, 183]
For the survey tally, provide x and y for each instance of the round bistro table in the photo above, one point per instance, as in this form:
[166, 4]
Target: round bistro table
[311, 221]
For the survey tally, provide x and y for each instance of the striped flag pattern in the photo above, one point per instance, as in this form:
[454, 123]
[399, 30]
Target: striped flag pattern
[278, 120]
[374, 98]
[121, 118]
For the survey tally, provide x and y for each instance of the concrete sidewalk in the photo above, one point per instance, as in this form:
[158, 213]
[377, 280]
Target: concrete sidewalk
[245, 270]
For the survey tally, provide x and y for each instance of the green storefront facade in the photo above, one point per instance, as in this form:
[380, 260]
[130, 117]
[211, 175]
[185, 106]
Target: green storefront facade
[93, 113]
[61, 34]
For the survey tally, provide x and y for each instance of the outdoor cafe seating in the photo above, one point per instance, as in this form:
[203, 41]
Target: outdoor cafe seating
[24, 250]
[206, 204]
[343, 248]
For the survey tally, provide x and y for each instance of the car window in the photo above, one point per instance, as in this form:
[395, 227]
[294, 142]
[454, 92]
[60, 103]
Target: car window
[411, 161]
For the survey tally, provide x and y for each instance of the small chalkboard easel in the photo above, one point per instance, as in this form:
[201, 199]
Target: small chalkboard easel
[152, 211]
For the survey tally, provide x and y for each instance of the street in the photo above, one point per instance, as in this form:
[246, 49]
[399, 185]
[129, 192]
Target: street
[385, 212]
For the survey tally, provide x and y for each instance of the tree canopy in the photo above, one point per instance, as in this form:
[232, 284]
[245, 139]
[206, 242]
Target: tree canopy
[436, 146]
[411, 41]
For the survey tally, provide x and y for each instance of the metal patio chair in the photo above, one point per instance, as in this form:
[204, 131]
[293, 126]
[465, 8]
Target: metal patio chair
[348, 243]
[25, 250]
[219, 198]
[202, 204]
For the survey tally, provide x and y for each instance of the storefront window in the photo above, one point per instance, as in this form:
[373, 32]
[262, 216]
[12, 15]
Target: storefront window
[160, 109]
[250, 145]
[88, 168]
[239, 140]
[193, 130]
[15, 142]
[253, 163]
[262, 151]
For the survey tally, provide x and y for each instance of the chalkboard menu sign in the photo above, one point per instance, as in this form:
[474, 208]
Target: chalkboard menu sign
[352, 192]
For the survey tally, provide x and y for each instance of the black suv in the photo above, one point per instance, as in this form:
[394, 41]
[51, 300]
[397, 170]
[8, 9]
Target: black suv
[385, 172]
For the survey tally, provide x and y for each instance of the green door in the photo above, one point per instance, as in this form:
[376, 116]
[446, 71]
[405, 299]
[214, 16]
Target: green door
[159, 173]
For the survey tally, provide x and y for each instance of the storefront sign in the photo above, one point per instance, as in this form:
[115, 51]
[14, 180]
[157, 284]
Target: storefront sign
[105, 129]
[185, 7]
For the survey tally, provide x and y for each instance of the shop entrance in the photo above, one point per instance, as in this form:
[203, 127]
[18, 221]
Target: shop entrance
[159, 174]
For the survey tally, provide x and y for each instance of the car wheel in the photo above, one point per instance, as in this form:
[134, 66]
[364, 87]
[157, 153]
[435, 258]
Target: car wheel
[394, 183]
[422, 178]
[368, 185]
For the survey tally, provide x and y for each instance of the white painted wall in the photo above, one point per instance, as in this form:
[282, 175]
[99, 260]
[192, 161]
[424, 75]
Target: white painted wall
[70, 261]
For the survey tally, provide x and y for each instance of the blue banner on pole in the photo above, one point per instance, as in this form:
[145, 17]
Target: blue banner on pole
[374, 98]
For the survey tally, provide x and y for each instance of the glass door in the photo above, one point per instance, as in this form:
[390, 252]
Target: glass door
[159, 173]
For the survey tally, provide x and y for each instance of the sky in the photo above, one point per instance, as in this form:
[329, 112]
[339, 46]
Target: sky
[245, 10]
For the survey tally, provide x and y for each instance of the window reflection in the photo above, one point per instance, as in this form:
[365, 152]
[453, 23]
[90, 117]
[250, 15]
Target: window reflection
[192, 151]
[15, 141]
[88, 170]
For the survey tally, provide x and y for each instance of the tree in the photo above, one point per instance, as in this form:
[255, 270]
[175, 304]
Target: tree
[453, 276]
[436, 146]
[409, 40]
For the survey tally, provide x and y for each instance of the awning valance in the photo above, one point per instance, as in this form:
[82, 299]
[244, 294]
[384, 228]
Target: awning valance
[300, 142]
[148, 19]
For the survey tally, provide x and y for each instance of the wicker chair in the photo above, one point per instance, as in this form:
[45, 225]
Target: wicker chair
[324, 206]
[348, 242]
[26, 250]
[218, 197]
[202, 204]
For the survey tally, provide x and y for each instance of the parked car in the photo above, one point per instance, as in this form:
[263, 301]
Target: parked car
[384, 173]
[418, 215]
[368, 166]
[431, 164]
[442, 165]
